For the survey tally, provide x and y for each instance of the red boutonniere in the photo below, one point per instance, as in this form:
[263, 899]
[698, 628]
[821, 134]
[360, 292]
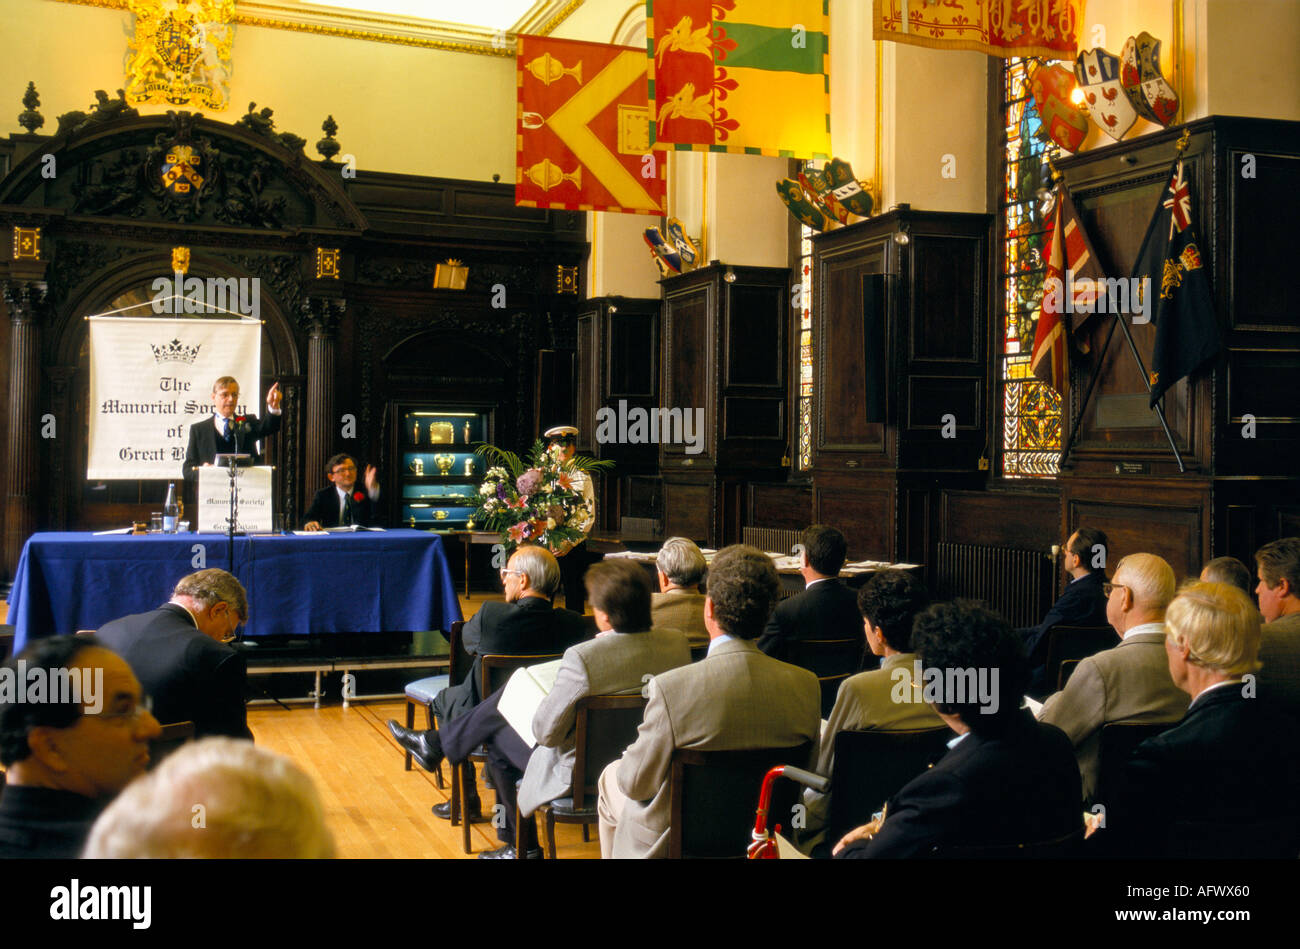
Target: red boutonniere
[358, 496]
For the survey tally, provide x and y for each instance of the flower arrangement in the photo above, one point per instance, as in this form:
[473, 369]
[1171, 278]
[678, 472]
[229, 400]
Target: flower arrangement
[535, 501]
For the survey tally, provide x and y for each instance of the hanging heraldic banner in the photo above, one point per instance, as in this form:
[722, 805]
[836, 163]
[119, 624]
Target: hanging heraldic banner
[1003, 28]
[150, 378]
[584, 129]
[745, 76]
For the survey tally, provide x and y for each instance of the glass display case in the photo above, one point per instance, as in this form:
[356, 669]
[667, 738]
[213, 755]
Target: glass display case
[438, 470]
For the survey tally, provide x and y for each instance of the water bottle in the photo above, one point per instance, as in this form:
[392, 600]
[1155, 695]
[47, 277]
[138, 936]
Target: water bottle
[171, 510]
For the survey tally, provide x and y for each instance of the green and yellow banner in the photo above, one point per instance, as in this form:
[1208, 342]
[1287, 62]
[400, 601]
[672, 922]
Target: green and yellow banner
[747, 76]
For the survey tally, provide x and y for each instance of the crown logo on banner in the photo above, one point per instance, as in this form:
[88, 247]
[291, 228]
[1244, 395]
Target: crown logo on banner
[175, 351]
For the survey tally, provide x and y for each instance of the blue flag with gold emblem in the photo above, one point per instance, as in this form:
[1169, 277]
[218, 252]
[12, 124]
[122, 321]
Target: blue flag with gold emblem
[1171, 270]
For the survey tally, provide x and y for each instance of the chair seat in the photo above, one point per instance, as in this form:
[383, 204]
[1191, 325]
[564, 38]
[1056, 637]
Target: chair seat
[423, 690]
[563, 807]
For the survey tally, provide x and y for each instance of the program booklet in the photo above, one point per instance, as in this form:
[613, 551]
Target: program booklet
[523, 695]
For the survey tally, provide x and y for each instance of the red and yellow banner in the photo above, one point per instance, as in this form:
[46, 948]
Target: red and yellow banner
[1004, 28]
[584, 129]
[747, 76]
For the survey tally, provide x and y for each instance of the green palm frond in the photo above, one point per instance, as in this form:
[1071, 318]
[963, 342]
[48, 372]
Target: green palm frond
[499, 456]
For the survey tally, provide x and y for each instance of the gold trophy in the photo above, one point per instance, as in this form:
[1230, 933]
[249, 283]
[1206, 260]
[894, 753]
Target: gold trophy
[444, 463]
[469, 467]
[439, 515]
[466, 432]
[441, 433]
[417, 467]
[415, 433]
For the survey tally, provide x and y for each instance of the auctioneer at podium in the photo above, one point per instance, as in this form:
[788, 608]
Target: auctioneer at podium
[227, 433]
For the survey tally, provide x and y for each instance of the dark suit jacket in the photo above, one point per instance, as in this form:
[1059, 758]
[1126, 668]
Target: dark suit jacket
[45, 823]
[206, 442]
[1020, 787]
[1081, 604]
[325, 508]
[522, 628]
[827, 610]
[189, 676]
[1232, 759]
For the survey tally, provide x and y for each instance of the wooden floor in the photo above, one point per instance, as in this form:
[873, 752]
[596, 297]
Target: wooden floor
[372, 806]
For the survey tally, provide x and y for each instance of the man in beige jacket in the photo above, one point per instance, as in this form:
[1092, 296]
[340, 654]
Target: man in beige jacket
[736, 698]
[1129, 683]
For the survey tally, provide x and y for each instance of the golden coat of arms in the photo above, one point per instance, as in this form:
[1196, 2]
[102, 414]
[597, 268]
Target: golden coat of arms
[180, 52]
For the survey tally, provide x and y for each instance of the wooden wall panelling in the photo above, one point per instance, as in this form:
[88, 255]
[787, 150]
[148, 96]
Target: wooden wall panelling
[1167, 517]
[784, 506]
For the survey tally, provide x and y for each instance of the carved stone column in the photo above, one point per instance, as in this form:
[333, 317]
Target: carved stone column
[26, 301]
[61, 458]
[320, 318]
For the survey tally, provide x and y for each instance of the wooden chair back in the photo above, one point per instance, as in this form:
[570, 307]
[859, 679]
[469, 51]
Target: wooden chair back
[1065, 643]
[606, 725]
[496, 670]
[174, 734]
[870, 767]
[831, 660]
[713, 797]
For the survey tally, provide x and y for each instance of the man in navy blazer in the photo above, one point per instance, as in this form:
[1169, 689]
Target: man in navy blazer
[227, 433]
[1006, 780]
[341, 504]
[180, 656]
[1081, 602]
[1230, 766]
[826, 609]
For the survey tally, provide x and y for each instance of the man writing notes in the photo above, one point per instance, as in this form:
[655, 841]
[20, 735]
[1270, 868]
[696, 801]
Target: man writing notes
[228, 433]
[342, 505]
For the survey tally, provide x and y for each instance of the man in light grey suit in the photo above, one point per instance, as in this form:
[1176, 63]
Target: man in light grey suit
[1278, 567]
[621, 656]
[679, 604]
[735, 699]
[1130, 682]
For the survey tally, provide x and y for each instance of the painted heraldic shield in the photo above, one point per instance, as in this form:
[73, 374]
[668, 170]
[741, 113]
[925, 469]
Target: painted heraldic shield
[1098, 74]
[584, 129]
[1051, 87]
[1152, 96]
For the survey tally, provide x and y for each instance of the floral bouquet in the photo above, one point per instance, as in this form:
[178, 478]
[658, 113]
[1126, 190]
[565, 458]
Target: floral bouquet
[539, 501]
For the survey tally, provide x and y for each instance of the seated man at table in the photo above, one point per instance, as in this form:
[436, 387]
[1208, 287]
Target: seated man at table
[1006, 779]
[734, 699]
[180, 653]
[68, 751]
[342, 505]
[1081, 603]
[228, 433]
[679, 604]
[826, 609]
[624, 652]
[524, 624]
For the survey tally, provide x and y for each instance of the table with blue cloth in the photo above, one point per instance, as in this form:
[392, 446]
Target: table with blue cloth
[363, 582]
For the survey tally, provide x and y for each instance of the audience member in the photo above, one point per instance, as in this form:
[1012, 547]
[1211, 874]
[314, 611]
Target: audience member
[180, 655]
[68, 748]
[1006, 779]
[1081, 603]
[679, 604]
[1225, 781]
[341, 504]
[216, 799]
[736, 698]
[622, 654]
[1228, 570]
[826, 609]
[889, 602]
[1278, 565]
[524, 624]
[1129, 682]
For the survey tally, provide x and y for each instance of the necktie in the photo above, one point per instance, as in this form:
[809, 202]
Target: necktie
[225, 429]
[347, 511]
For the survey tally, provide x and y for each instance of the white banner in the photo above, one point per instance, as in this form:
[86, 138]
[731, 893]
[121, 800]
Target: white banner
[252, 506]
[150, 378]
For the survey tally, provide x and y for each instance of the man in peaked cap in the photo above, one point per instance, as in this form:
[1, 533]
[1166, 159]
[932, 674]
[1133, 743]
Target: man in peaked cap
[574, 563]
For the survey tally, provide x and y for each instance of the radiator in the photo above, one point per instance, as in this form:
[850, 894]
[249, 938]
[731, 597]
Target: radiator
[771, 539]
[639, 528]
[1017, 583]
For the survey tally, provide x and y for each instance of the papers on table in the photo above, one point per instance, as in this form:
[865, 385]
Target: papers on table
[120, 530]
[524, 693]
[1033, 706]
[350, 529]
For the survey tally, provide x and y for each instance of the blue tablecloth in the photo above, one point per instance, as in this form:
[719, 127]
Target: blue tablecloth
[364, 582]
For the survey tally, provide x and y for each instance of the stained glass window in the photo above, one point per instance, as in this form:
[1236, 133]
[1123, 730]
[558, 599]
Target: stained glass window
[1031, 410]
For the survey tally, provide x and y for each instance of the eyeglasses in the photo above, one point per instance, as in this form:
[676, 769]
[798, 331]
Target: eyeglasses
[127, 717]
[340, 468]
[506, 571]
[1108, 588]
